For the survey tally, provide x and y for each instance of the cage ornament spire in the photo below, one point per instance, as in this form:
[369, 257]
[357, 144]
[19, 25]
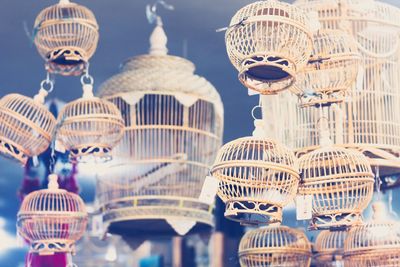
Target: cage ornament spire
[52, 219]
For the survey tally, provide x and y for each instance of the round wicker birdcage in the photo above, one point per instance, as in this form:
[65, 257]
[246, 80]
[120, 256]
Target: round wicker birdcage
[173, 129]
[26, 127]
[376, 243]
[90, 127]
[275, 246]
[258, 42]
[341, 183]
[369, 119]
[329, 247]
[258, 177]
[52, 220]
[331, 70]
[66, 36]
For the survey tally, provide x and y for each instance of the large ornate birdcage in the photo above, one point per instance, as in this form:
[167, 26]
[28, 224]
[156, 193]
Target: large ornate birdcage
[329, 247]
[26, 126]
[52, 219]
[66, 36]
[274, 246]
[174, 124]
[260, 43]
[341, 183]
[376, 243]
[369, 119]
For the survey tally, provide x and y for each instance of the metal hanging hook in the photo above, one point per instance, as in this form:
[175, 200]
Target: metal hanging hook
[253, 112]
[86, 78]
[151, 10]
[47, 84]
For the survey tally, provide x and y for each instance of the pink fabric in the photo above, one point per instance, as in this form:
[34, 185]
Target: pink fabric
[56, 260]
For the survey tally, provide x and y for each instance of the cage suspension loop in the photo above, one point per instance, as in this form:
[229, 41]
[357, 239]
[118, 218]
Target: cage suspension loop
[47, 84]
[86, 78]
[253, 111]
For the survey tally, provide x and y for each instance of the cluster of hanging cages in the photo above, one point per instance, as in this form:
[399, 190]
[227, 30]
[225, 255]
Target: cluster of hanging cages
[368, 119]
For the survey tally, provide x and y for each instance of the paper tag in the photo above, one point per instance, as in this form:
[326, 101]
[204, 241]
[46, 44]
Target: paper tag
[209, 190]
[304, 207]
[252, 92]
[97, 225]
[59, 147]
[35, 161]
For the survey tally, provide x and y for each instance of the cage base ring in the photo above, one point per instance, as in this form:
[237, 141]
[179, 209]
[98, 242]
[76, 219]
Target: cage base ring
[68, 61]
[275, 71]
[90, 153]
[253, 212]
[335, 221]
[9, 150]
[50, 247]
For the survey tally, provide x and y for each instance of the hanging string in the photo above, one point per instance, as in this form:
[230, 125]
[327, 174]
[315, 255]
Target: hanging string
[151, 10]
[390, 203]
[378, 183]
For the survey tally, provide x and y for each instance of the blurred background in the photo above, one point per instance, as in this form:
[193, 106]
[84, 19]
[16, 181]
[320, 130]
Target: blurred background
[124, 32]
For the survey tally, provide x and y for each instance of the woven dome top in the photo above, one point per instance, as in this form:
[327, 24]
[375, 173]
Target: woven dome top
[381, 235]
[333, 162]
[329, 245]
[52, 201]
[275, 239]
[159, 73]
[66, 10]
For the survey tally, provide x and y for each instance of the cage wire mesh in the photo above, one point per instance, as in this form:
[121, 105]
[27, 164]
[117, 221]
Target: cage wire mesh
[260, 42]
[52, 219]
[329, 247]
[66, 36]
[274, 246]
[26, 127]
[369, 119]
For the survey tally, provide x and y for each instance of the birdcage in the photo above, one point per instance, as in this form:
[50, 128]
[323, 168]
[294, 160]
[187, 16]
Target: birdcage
[66, 36]
[26, 126]
[274, 246]
[331, 70]
[260, 43]
[329, 247]
[173, 129]
[376, 243]
[90, 127]
[258, 177]
[369, 119]
[52, 220]
[341, 183]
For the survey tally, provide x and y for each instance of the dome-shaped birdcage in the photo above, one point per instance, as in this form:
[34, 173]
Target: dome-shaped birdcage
[376, 243]
[173, 129]
[331, 70]
[368, 120]
[258, 177]
[329, 248]
[341, 183]
[260, 45]
[52, 220]
[275, 246]
[66, 36]
[26, 127]
[90, 127]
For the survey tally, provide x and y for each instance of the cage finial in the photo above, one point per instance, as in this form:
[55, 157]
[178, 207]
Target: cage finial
[53, 182]
[158, 39]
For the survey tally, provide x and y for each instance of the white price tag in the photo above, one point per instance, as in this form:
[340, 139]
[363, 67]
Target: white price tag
[59, 147]
[97, 225]
[252, 92]
[209, 190]
[304, 207]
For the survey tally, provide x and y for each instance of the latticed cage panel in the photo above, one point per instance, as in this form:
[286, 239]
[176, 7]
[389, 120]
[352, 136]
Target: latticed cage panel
[52, 220]
[274, 246]
[376, 243]
[331, 70]
[341, 183]
[329, 248]
[26, 127]
[90, 126]
[259, 43]
[257, 176]
[66, 36]
[369, 118]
